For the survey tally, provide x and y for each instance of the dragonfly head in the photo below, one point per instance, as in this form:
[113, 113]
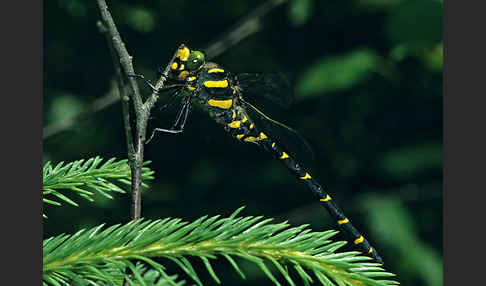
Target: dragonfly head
[185, 62]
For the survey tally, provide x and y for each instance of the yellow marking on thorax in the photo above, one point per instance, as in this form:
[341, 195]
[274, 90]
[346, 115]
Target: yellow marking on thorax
[234, 114]
[235, 124]
[327, 198]
[273, 145]
[191, 78]
[215, 70]
[174, 66]
[191, 88]
[183, 74]
[343, 221]
[244, 118]
[307, 176]
[224, 104]
[252, 125]
[216, 83]
[284, 155]
[239, 136]
[371, 250]
[183, 53]
[359, 240]
[181, 68]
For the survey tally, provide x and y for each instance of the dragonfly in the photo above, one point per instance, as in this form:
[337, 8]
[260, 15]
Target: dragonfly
[224, 96]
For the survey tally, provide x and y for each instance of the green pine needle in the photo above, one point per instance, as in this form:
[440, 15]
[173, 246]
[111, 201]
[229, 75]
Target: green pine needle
[102, 254]
[85, 178]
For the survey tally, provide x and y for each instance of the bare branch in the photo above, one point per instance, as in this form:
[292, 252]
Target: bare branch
[160, 83]
[99, 104]
[247, 26]
[123, 61]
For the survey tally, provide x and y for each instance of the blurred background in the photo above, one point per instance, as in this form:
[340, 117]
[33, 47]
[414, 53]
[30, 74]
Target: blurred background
[368, 98]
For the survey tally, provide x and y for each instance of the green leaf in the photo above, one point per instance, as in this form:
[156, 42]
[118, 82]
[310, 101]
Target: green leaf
[395, 221]
[412, 160]
[140, 19]
[416, 23]
[337, 73]
[300, 11]
[64, 106]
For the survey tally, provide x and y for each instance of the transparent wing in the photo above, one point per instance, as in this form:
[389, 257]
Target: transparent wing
[273, 86]
[285, 136]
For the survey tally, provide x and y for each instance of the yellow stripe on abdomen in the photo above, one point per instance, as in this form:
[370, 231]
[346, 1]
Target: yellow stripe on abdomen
[216, 83]
[327, 198]
[359, 240]
[224, 104]
[215, 70]
[250, 139]
[260, 137]
[307, 176]
[343, 221]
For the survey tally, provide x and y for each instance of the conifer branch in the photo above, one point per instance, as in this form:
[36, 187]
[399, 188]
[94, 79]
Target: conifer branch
[91, 255]
[86, 178]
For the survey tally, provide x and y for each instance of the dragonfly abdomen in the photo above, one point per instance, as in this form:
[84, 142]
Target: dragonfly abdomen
[324, 198]
[242, 128]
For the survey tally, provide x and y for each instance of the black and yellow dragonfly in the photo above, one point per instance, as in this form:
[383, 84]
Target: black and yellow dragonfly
[222, 95]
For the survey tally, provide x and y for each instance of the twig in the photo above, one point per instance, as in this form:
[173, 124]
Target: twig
[247, 26]
[135, 144]
[159, 84]
[99, 104]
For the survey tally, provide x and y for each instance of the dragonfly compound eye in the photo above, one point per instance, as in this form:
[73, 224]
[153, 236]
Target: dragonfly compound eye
[195, 60]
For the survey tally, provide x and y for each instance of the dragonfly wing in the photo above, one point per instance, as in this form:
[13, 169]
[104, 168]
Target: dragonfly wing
[288, 138]
[273, 86]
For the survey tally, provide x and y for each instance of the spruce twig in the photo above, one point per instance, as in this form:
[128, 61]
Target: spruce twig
[85, 178]
[91, 255]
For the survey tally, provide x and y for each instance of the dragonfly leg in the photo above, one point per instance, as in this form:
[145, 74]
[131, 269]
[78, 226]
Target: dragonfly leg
[171, 100]
[160, 72]
[186, 113]
[183, 113]
[154, 89]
